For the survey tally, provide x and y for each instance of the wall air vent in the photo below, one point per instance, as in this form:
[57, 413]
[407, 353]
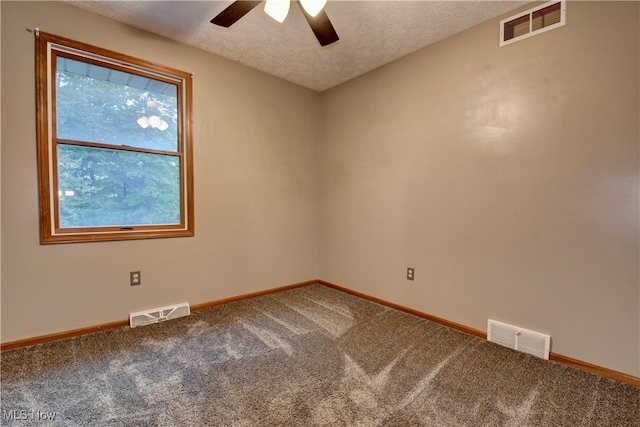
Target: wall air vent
[159, 314]
[519, 339]
[533, 21]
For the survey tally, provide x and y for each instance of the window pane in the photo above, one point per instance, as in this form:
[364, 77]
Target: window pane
[99, 104]
[101, 187]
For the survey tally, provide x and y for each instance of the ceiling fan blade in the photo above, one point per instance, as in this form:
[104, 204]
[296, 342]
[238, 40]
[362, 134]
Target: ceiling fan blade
[235, 11]
[321, 27]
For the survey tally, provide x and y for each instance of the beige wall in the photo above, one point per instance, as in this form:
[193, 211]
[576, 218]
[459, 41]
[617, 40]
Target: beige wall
[507, 177]
[256, 188]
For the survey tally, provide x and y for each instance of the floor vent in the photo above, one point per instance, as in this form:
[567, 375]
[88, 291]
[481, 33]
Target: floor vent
[159, 314]
[519, 339]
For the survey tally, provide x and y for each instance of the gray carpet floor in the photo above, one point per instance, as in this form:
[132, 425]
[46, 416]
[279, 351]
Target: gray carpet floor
[309, 356]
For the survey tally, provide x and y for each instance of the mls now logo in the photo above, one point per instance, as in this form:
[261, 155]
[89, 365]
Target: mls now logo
[23, 414]
[15, 414]
[44, 415]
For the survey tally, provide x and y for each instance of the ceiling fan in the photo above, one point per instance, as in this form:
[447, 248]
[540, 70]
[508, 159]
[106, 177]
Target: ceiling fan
[278, 10]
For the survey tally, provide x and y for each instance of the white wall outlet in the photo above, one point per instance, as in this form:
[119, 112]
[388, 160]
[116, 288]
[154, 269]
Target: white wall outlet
[135, 278]
[410, 273]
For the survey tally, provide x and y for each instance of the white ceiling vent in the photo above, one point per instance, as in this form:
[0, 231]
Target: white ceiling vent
[159, 314]
[519, 339]
[534, 21]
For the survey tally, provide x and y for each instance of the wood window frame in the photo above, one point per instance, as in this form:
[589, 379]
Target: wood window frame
[47, 47]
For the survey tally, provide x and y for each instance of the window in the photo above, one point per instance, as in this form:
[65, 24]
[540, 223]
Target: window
[114, 145]
[534, 21]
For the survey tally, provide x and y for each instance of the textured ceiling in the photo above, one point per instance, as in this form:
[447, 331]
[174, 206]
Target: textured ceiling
[372, 33]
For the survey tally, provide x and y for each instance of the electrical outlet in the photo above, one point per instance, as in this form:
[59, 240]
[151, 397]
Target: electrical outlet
[135, 278]
[410, 273]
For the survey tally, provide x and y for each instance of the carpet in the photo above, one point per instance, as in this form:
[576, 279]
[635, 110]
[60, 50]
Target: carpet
[309, 356]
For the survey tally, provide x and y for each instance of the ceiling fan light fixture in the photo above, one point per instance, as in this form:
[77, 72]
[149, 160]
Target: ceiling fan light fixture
[154, 121]
[277, 9]
[313, 7]
[163, 125]
[143, 122]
